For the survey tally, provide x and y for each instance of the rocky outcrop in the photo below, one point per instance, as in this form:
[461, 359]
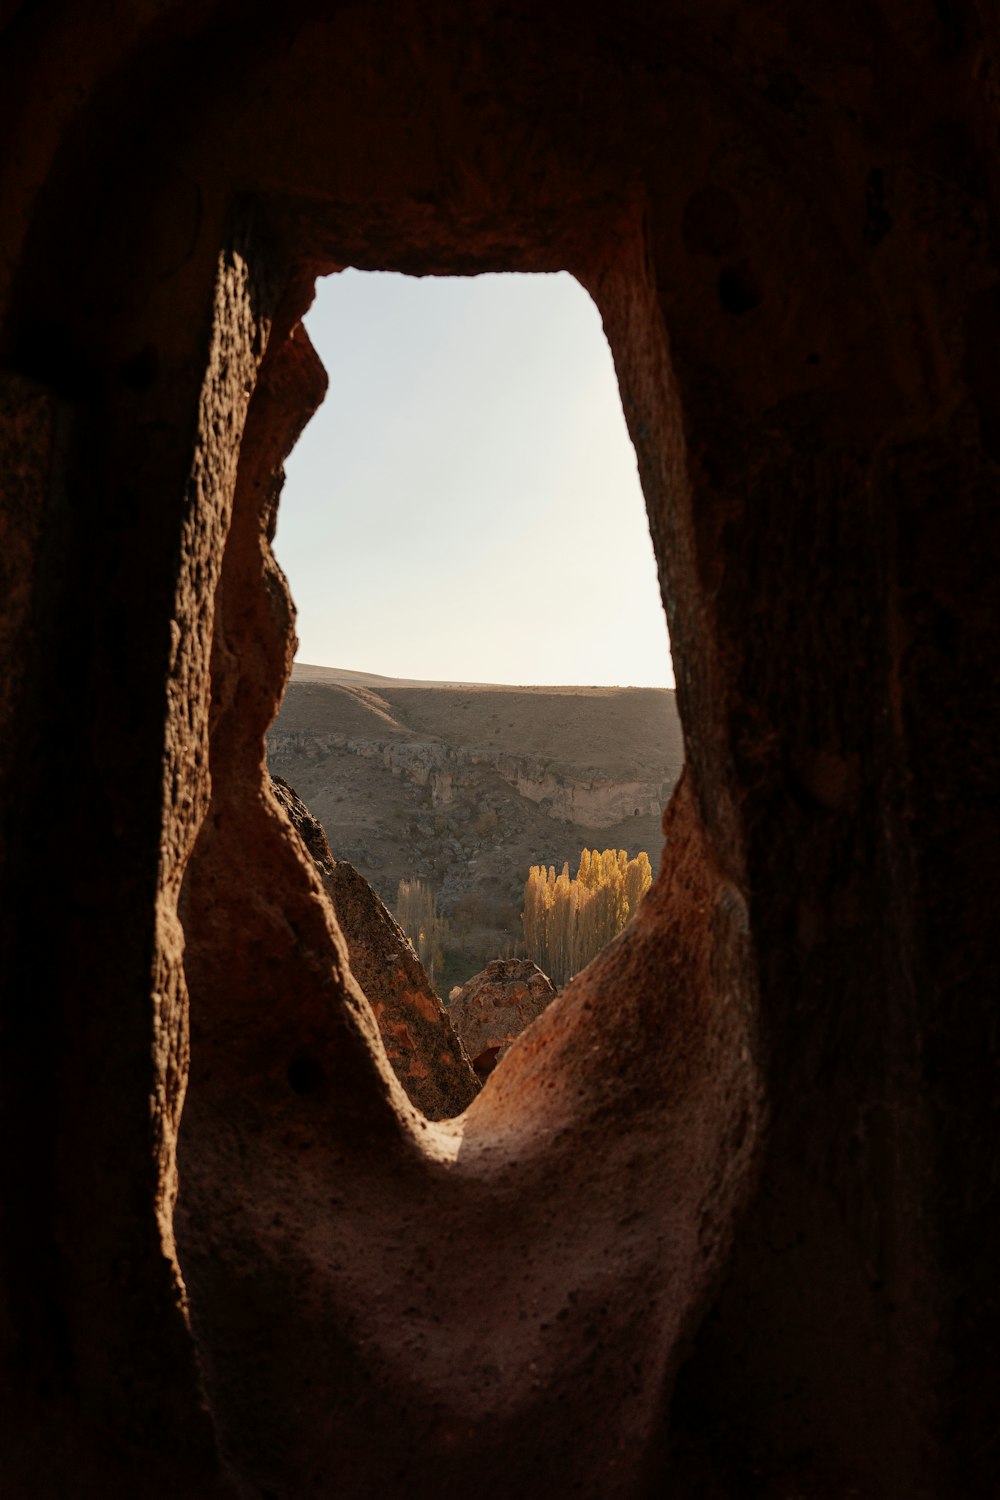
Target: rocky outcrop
[590, 801]
[309, 829]
[495, 1006]
[427, 1056]
[588, 797]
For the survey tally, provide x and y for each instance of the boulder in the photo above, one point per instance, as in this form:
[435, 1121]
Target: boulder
[496, 1005]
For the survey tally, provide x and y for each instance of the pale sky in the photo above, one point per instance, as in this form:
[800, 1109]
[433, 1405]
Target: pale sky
[465, 505]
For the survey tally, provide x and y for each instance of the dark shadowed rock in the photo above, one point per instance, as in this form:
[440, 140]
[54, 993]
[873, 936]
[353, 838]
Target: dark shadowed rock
[428, 1058]
[496, 1005]
[309, 829]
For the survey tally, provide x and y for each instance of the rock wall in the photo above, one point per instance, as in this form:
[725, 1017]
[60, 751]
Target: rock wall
[595, 801]
[420, 1042]
[417, 1033]
[235, 1259]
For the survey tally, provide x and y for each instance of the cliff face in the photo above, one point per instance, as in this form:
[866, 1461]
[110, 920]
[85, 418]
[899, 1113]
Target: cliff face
[590, 803]
[592, 800]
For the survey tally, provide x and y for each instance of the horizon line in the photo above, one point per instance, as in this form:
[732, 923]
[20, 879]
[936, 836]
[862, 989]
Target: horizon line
[351, 674]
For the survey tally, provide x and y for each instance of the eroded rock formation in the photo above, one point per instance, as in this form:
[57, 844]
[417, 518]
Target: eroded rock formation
[495, 1006]
[427, 1056]
[725, 1221]
[309, 829]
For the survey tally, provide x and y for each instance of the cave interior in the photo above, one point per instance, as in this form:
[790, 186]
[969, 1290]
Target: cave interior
[725, 1223]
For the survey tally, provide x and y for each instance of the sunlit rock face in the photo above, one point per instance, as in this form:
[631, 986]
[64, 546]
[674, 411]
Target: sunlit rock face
[724, 1221]
[495, 1006]
[591, 802]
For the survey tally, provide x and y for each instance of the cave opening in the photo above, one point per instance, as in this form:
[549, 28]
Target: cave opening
[299, 1133]
[806, 205]
[482, 689]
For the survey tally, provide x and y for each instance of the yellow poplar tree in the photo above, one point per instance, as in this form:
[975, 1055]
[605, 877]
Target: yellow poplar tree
[427, 930]
[567, 921]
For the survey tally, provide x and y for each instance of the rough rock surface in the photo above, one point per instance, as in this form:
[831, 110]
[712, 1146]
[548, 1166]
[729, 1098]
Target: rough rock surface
[495, 1006]
[420, 1041]
[309, 829]
[726, 1221]
[426, 1054]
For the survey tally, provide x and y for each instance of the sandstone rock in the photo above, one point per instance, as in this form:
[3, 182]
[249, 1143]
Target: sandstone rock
[420, 1042]
[496, 1005]
[774, 1095]
[427, 1055]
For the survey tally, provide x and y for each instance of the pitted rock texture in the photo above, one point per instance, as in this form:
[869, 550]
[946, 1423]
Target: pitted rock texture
[495, 1006]
[426, 1054]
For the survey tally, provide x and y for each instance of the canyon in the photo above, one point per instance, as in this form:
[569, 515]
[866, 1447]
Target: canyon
[466, 785]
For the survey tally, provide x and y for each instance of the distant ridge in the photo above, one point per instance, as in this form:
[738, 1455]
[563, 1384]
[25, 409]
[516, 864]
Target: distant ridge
[306, 672]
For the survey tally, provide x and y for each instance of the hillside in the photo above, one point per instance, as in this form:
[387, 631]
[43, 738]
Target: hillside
[466, 785]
